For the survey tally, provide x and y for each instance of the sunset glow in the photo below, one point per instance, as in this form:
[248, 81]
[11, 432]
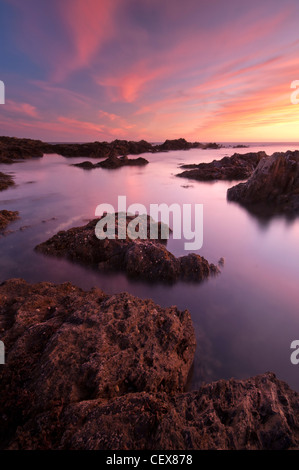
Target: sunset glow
[83, 70]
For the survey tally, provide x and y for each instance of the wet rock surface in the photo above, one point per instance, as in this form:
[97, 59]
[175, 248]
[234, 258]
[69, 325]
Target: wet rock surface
[237, 167]
[6, 217]
[5, 181]
[66, 346]
[113, 163]
[145, 259]
[273, 187]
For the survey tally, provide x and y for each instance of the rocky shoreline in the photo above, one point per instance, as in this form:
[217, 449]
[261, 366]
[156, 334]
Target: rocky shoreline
[236, 167]
[109, 372]
[145, 259]
[13, 149]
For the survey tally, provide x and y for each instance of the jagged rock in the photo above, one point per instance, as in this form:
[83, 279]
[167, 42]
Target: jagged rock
[5, 181]
[261, 413]
[6, 217]
[142, 258]
[239, 166]
[64, 345]
[274, 185]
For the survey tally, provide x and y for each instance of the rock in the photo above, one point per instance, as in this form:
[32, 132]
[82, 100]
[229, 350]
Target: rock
[274, 185]
[239, 166]
[6, 217]
[113, 162]
[143, 259]
[5, 181]
[66, 346]
[182, 144]
[176, 144]
[85, 165]
[221, 262]
[260, 413]
[13, 149]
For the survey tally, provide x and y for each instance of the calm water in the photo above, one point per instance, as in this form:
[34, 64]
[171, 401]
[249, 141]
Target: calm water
[245, 319]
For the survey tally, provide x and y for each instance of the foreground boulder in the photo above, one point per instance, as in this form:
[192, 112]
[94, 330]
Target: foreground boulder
[260, 413]
[237, 167]
[65, 346]
[273, 186]
[5, 181]
[6, 217]
[142, 258]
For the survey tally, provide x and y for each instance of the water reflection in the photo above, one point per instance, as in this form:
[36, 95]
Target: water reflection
[245, 319]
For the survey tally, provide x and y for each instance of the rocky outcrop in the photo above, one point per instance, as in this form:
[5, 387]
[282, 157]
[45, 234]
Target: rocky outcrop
[146, 259]
[182, 144]
[113, 162]
[273, 186]
[65, 346]
[237, 167]
[5, 181]
[91, 371]
[6, 217]
[13, 149]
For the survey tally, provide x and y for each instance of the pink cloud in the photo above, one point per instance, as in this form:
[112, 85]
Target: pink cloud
[23, 109]
[89, 23]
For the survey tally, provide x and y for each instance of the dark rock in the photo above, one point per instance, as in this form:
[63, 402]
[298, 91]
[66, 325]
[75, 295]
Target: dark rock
[142, 258]
[66, 346]
[13, 149]
[261, 413]
[113, 163]
[5, 181]
[182, 144]
[85, 165]
[236, 167]
[6, 217]
[274, 185]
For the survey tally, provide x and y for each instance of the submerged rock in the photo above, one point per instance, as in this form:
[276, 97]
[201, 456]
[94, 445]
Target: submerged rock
[274, 185]
[64, 345]
[6, 217]
[5, 181]
[236, 167]
[146, 259]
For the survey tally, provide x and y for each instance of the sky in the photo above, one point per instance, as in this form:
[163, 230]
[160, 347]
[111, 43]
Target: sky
[205, 70]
